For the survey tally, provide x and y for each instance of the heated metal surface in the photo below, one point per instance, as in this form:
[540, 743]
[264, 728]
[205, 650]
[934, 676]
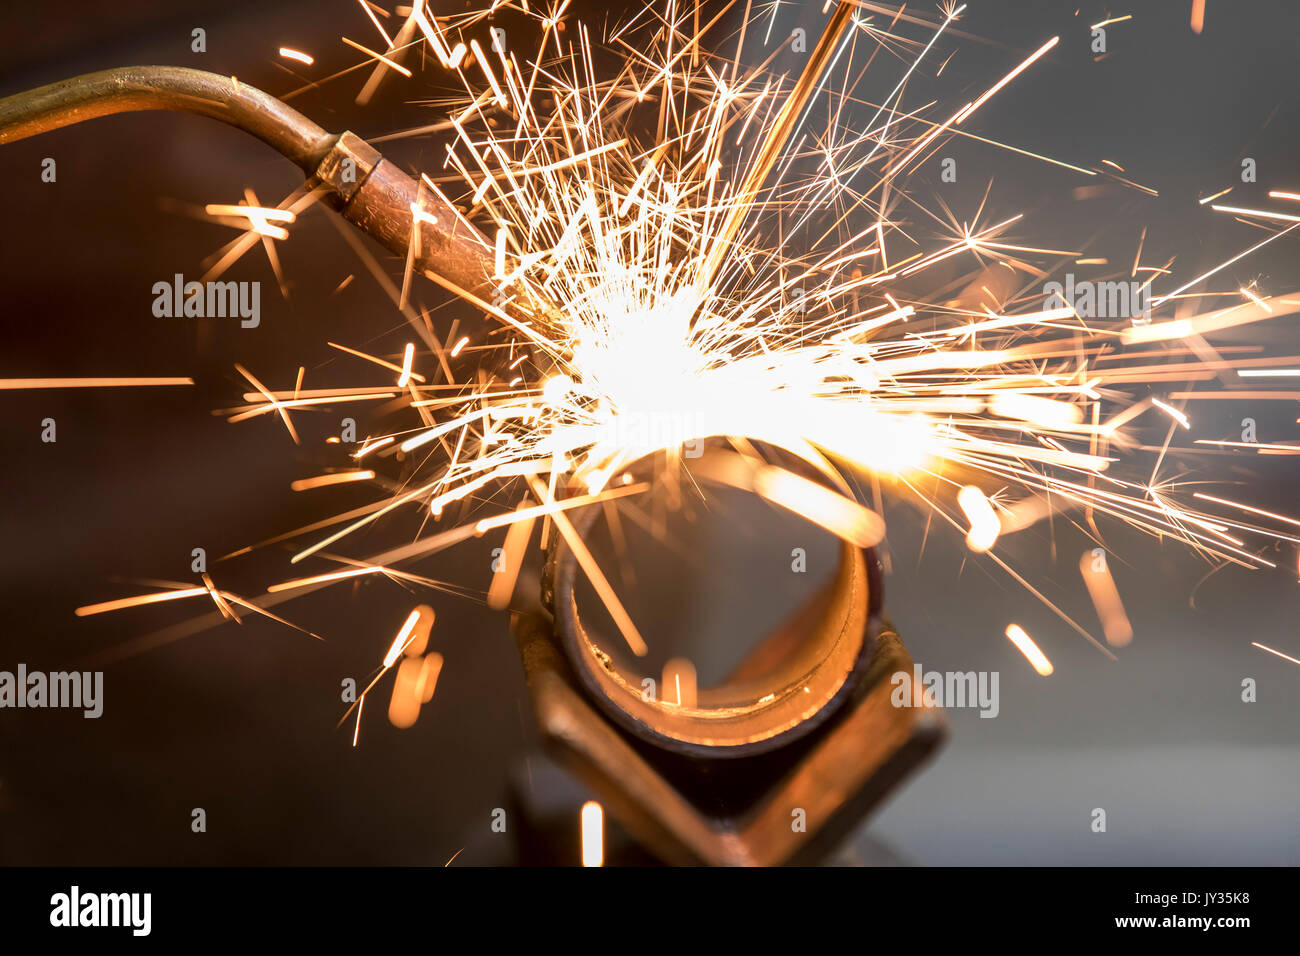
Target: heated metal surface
[791, 682]
[790, 805]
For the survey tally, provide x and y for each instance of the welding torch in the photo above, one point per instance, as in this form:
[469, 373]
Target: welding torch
[355, 179]
[368, 190]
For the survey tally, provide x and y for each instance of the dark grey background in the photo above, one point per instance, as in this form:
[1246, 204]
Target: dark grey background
[240, 720]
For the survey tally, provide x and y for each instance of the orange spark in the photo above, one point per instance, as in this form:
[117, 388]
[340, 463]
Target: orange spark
[335, 478]
[291, 54]
[593, 834]
[1025, 644]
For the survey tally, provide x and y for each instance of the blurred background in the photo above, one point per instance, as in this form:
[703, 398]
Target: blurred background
[240, 720]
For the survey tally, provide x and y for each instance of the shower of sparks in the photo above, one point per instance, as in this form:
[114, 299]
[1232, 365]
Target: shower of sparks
[690, 249]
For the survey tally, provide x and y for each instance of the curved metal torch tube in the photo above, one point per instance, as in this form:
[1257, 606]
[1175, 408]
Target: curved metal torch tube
[132, 88]
[370, 192]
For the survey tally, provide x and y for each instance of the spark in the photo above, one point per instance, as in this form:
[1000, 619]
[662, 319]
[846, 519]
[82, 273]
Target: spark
[402, 638]
[140, 600]
[401, 370]
[1285, 657]
[1256, 299]
[1257, 446]
[391, 64]
[1025, 644]
[486, 67]
[1172, 412]
[337, 478]
[593, 834]
[291, 54]
[1271, 515]
[321, 579]
[598, 580]
[984, 524]
[378, 26]
[413, 687]
[821, 506]
[259, 218]
[407, 357]
[1262, 213]
[39, 383]
[511, 560]
[418, 642]
[993, 90]
[371, 446]
[679, 673]
[1105, 598]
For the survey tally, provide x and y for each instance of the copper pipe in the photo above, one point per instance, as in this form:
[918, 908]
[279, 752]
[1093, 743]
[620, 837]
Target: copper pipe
[791, 682]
